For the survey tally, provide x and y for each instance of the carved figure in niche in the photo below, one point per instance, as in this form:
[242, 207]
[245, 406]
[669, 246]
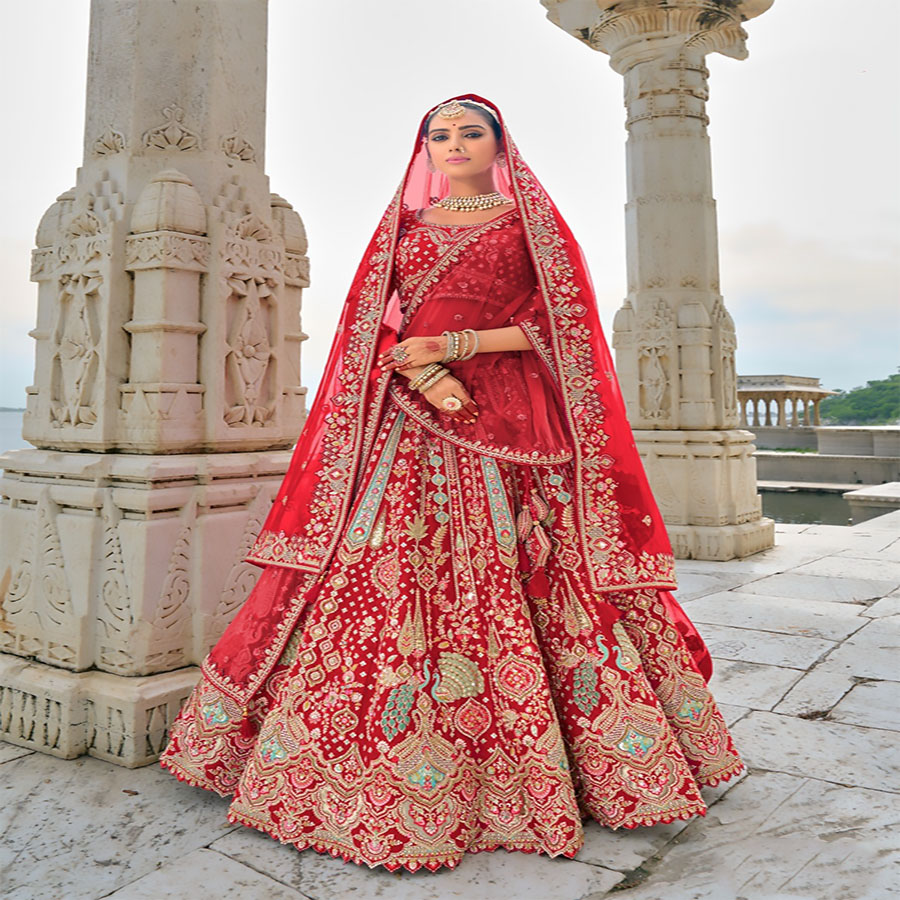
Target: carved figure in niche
[653, 355]
[76, 359]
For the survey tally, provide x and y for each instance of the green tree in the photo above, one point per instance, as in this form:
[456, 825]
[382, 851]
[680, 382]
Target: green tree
[878, 403]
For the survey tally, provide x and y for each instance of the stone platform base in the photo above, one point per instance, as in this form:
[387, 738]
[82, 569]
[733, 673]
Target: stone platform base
[722, 542]
[869, 502]
[67, 714]
[704, 482]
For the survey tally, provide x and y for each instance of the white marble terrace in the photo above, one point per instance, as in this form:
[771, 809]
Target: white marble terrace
[806, 638]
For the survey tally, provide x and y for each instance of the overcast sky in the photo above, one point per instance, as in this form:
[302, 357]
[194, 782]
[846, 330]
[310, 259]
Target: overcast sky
[805, 142]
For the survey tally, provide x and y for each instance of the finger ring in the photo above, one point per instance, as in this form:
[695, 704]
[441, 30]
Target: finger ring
[451, 403]
[399, 353]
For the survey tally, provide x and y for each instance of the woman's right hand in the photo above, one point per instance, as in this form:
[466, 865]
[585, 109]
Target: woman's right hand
[451, 386]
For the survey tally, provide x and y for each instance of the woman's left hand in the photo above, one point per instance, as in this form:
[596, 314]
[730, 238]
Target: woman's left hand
[419, 352]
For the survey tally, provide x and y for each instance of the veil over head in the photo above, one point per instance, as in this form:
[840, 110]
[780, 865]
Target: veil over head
[623, 537]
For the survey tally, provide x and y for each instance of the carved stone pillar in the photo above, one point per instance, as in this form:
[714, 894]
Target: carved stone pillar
[166, 390]
[674, 339]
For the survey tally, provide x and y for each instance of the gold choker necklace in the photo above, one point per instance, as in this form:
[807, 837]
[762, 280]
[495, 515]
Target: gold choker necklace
[476, 201]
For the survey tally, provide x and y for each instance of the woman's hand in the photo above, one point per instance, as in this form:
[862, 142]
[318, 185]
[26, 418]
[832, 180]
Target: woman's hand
[448, 386]
[419, 352]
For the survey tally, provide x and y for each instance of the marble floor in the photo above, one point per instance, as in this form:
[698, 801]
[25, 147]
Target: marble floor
[806, 638]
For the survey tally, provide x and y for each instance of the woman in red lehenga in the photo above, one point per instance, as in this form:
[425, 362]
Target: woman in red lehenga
[464, 635]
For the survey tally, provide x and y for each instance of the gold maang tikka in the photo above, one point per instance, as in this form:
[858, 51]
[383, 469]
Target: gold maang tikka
[452, 110]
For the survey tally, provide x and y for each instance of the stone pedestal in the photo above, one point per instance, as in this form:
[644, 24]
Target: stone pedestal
[167, 384]
[674, 339]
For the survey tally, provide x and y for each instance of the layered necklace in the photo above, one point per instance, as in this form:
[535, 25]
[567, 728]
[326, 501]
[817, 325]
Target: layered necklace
[476, 201]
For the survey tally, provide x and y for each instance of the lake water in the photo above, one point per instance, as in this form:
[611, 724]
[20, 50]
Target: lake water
[11, 431]
[806, 507]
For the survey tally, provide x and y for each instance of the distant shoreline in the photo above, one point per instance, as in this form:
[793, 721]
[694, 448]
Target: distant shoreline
[12, 409]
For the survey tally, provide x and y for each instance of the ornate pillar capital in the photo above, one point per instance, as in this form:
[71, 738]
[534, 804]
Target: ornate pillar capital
[635, 31]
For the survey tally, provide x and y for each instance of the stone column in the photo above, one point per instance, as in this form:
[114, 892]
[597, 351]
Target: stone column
[167, 384]
[674, 339]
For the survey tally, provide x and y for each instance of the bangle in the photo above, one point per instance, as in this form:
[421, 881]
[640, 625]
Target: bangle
[424, 375]
[469, 355]
[434, 379]
[452, 351]
[464, 339]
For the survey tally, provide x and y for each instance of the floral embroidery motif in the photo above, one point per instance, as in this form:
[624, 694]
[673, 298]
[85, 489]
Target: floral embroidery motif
[517, 678]
[473, 718]
[636, 744]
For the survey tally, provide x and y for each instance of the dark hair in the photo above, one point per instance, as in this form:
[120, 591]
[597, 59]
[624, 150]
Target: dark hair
[468, 104]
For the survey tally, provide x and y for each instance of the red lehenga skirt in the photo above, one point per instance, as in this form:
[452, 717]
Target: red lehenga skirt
[436, 699]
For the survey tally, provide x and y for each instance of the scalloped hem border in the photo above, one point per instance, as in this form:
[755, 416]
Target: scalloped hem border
[411, 865]
[716, 778]
[450, 862]
[185, 776]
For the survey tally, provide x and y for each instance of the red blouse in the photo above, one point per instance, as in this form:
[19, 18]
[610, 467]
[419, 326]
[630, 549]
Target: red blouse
[481, 276]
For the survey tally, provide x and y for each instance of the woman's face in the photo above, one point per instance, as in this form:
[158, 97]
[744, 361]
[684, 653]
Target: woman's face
[463, 146]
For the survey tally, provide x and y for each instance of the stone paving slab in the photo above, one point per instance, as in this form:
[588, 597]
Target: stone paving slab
[874, 704]
[851, 566]
[785, 615]
[830, 751]
[757, 686]
[12, 751]
[782, 837]
[71, 831]
[485, 876]
[886, 606]
[815, 693]
[872, 652]
[788, 650]
[205, 873]
[697, 584]
[821, 587]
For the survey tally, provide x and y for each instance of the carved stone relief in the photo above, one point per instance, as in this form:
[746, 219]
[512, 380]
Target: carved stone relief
[108, 143]
[235, 146]
[76, 357]
[173, 134]
[243, 575]
[114, 612]
[170, 626]
[37, 609]
[249, 399]
[654, 354]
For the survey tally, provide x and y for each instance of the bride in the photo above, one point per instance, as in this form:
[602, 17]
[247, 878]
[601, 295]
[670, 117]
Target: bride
[464, 636]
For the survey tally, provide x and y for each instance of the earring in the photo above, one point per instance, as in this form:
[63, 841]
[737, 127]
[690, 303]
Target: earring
[430, 165]
[500, 159]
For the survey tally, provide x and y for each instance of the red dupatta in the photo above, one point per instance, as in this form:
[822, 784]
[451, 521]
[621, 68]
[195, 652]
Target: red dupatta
[622, 534]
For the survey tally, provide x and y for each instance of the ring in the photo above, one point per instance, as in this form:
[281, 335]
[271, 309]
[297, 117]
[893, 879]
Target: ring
[399, 353]
[451, 403]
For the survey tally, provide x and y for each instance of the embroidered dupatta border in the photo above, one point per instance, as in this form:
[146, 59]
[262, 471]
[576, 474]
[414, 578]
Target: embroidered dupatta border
[596, 505]
[399, 396]
[311, 550]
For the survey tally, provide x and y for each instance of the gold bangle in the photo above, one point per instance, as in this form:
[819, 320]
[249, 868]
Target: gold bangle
[424, 375]
[433, 380]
